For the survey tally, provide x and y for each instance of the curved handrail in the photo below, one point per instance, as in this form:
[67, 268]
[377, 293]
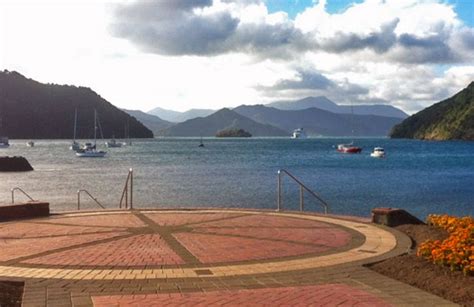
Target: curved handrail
[302, 188]
[90, 195]
[21, 190]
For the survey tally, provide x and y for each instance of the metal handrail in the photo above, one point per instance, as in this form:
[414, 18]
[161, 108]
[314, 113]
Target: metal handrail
[125, 191]
[21, 190]
[303, 187]
[90, 195]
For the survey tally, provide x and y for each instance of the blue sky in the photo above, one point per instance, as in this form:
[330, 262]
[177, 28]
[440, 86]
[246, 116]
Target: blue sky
[464, 8]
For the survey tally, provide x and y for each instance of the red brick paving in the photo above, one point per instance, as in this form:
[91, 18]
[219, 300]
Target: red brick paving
[319, 236]
[139, 250]
[317, 295]
[112, 220]
[215, 249]
[34, 230]
[174, 219]
[15, 248]
[266, 221]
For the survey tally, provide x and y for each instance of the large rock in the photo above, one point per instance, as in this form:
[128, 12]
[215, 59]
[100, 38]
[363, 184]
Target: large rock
[14, 164]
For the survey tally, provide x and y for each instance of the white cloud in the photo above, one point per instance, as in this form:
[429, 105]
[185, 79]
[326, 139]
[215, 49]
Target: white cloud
[183, 54]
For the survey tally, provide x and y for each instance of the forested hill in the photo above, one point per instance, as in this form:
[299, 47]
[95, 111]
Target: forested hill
[32, 110]
[449, 119]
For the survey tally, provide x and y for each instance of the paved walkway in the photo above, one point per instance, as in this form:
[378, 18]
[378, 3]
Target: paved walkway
[203, 257]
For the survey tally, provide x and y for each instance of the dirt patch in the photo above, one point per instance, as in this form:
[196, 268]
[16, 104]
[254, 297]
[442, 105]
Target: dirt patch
[11, 293]
[415, 271]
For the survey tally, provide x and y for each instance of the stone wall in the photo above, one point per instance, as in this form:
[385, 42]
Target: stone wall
[25, 210]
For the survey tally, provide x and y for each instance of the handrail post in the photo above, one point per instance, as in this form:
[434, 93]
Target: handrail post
[301, 198]
[279, 200]
[79, 200]
[126, 195]
[131, 189]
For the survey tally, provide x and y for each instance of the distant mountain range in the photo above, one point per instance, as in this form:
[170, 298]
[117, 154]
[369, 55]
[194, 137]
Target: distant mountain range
[324, 103]
[319, 116]
[179, 117]
[152, 122]
[221, 120]
[449, 119]
[319, 122]
[32, 110]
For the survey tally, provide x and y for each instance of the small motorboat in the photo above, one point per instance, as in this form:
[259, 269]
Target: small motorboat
[378, 152]
[30, 144]
[348, 148]
[299, 134]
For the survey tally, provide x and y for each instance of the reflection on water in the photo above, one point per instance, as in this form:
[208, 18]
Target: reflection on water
[423, 177]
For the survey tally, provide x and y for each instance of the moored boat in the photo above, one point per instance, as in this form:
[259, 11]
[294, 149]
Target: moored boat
[114, 144]
[378, 152]
[299, 134]
[4, 142]
[75, 146]
[89, 150]
[348, 148]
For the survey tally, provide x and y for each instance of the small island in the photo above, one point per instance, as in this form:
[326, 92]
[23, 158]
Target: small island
[233, 133]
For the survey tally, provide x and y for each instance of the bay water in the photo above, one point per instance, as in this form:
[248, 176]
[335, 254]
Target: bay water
[420, 176]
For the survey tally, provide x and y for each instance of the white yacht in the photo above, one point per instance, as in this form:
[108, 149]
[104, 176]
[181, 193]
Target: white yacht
[89, 150]
[299, 134]
[378, 152]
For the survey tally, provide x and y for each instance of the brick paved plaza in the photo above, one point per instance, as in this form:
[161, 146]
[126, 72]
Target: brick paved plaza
[202, 257]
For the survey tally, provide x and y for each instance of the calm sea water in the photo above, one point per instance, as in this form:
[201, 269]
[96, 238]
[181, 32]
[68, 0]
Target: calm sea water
[422, 177]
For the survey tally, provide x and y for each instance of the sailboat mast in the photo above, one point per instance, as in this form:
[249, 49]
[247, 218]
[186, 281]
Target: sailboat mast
[75, 124]
[352, 122]
[95, 127]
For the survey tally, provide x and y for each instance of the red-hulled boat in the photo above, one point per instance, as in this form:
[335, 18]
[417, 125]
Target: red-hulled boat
[348, 148]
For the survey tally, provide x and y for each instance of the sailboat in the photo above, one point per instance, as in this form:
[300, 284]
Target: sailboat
[350, 148]
[75, 145]
[3, 139]
[201, 144]
[113, 143]
[90, 150]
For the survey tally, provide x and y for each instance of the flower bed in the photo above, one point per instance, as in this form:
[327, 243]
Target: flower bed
[457, 251]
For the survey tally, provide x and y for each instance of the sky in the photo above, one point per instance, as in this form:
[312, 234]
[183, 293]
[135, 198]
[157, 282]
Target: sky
[183, 54]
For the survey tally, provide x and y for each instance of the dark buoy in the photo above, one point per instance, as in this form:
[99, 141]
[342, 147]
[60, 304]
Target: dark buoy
[14, 164]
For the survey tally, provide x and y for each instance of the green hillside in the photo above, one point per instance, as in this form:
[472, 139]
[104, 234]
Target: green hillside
[450, 119]
[32, 110]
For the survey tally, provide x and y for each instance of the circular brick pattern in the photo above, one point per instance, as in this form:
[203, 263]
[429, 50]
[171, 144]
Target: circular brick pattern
[168, 239]
[163, 244]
